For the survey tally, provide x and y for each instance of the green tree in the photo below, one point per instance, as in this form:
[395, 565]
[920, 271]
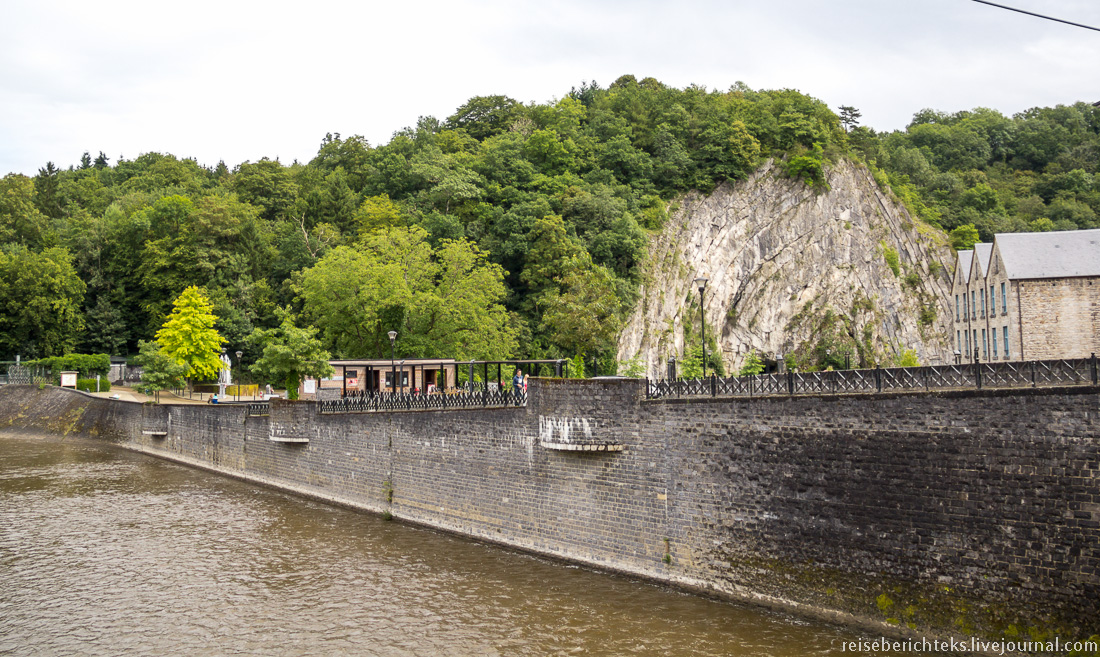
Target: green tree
[585, 316]
[40, 301]
[20, 219]
[551, 249]
[485, 116]
[379, 213]
[289, 353]
[268, 185]
[442, 302]
[188, 335]
[214, 243]
[159, 371]
[849, 117]
[633, 368]
[964, 237]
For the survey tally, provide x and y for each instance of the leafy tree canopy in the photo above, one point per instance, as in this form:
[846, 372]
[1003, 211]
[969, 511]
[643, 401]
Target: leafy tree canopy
[510, 192]
[288, 353]
[442, 302]
[160, 371]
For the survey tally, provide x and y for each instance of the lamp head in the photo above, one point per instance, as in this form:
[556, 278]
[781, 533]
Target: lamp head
[239, 354]
[701, 282]
[393, 335]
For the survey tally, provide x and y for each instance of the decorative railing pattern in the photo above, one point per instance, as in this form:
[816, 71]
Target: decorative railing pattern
[1066, 372]
[409, 401]
[259, 409]
[20, 375]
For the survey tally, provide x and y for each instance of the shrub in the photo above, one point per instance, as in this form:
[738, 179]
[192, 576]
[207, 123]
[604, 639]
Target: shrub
[927, 315]
[85, 364]
[752, 365]
[891, 256]
[808, 168]
[907, 358]
[88, 385]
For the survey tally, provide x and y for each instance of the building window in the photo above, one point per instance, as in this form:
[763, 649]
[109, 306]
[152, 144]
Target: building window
[956, 307]
[402, 377]
[1004, 308]
[974, 308]
[994, 332]
[983, 301]
[966, 305]
[985, 341]
[992, 302]
[1006, 342]
[958, 341]
[968, 345]
[975, 343]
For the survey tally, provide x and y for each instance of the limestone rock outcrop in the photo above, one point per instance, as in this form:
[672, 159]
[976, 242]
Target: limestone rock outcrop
[793, 270]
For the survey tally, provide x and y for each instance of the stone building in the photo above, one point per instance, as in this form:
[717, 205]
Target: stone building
[1028, 296]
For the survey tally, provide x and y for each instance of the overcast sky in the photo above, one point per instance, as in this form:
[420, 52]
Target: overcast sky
[235, 81]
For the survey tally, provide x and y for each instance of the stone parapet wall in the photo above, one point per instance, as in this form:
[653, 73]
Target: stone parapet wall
[954, 512]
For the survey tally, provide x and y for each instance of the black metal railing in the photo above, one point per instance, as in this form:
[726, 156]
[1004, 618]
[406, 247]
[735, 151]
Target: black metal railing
[1063, 372]
[259, 409]
[476, 397]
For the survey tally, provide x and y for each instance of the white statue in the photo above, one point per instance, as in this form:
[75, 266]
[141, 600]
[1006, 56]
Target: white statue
[225, 375]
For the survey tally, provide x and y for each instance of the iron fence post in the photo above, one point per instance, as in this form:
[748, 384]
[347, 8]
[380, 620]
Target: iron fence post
[790, 382]
[878, 378]
[1094, 373]
[1032, 373]
[978, 371]
[713, 385]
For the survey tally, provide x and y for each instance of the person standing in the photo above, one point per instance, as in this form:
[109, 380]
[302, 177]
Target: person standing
[517, 386]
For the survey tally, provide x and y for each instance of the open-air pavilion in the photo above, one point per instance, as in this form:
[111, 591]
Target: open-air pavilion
[359, 377]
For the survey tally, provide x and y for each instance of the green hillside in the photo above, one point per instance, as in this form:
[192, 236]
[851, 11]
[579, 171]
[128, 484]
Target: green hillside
[504, 230]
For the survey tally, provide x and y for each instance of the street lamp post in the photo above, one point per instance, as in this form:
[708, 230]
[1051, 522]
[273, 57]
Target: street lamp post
[393, 369]
[239, 354]
[701, 283]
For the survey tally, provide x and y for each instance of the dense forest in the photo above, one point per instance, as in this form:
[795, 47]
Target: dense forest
[505, 230]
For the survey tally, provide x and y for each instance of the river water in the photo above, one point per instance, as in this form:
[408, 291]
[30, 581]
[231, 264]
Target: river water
[107, 552]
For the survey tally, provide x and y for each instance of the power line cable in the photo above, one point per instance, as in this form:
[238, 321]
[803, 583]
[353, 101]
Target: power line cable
[1031, 13]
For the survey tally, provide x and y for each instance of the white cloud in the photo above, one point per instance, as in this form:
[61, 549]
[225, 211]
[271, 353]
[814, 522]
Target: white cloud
[243, 80]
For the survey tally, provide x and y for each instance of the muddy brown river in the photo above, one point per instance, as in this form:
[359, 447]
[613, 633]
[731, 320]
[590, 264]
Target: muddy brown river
[107, 552]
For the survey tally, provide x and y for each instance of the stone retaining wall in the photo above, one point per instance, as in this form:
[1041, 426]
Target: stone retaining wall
[973, 512]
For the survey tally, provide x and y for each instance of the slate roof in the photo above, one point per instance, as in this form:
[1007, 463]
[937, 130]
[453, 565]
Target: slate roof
[965, 258]
[983, 251]
[1057, 254]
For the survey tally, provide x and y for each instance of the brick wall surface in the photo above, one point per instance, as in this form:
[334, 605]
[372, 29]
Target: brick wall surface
[974, 512]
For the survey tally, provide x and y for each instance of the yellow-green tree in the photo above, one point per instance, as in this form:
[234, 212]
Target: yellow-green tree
[189, 337]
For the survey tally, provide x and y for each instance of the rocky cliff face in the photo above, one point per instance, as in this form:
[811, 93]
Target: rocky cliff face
[795, 274]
